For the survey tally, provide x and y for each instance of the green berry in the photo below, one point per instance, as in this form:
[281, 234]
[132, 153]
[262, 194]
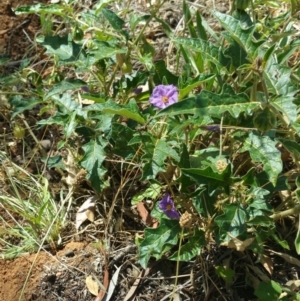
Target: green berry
[78, 34]
[19, 132]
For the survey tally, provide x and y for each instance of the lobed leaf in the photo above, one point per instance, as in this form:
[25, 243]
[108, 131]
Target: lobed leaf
[94, 155]
[65, 85]
[116, 22]
[155, 156]
[263, 149]
[232, 221]
[159, 240]
[190, 249]
[210, 178]
[209, 51]
[243, 36]
[64, 48]
[211, 104]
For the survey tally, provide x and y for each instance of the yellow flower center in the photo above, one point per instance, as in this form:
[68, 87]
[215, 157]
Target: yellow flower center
[165, 99]
[169, 207]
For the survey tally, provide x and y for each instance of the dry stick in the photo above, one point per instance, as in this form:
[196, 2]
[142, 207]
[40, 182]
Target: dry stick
[179, 287]
[293, 211]
[44, 153]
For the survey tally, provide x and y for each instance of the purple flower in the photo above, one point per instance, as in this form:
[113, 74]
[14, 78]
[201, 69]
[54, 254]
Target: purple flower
[213, 127]
[168, 207]
[138, 91]
[163, 96]
[85, 88]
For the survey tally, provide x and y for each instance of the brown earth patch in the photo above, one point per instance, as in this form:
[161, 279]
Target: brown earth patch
[17, 32]
[59, 277]
[13, 275]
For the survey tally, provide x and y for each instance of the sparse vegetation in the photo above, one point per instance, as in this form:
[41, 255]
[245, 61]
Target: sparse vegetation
[203, 143]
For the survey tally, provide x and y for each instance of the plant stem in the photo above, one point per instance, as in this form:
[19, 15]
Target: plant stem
[177, 264]
[292, 211]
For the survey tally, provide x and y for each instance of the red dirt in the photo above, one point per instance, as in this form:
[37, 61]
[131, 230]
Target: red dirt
[48, 273]
[13, 275]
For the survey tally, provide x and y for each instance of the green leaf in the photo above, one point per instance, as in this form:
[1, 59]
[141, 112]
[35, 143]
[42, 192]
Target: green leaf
[54, 162]
[243, 17]
[291, 146]
[210, 178]
[285, 106]
[159, 240]
[258, 207]
[226, 273]
[67, 105]
[20, 104]
[288, 51]
[58, 118]
[135, 19]
[141, 138]
[261, 221]
[211, 104]
[155, 155]
[65, 85]
[268, 291]
[295, 6]
[92, 160]
[95, 98]
[262, 180]
[205, 203]
[162, 72]
[63, 47]
[297, 239]
[243, 36]
[188, 20]
[263, 149]
[151, 192]
[208, 50]
[131, 110]
[166, 27]
[200, 29]
[68, 111]
[193, 83]
[122, 135]
[192, 248]
[70, 126]
[116, 22]
[278, 80]
[118, 110]
[232, 221]
[282, 243]
[184, 180]
[105, 50]
[236, 53]
[53, 9]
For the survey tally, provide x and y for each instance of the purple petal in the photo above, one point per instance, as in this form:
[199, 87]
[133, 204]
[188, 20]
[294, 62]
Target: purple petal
[138, 91]
[166, 202]
[172, 214]
[172, 91]
[168, 207]
[213, 127]
[161, 91]
[85, 88]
